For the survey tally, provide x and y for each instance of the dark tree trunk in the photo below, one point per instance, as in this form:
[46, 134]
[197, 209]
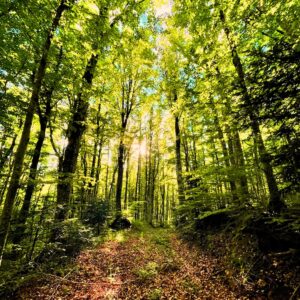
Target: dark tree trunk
[5, 184]
[44, 118]
[4, 157]
[178, 157]
[121, 154]
[20, 153]
[126, 107]
[98, 167]
[75, 130]
[96, 153]
[186, 153]
[137, 193]
[20, 229]
[127, 181]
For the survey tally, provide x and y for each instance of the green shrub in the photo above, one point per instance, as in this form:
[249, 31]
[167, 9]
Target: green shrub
[155, 294]
[148, 272]
[95, 214]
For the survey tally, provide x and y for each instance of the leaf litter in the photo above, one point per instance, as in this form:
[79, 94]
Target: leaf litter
[153, 265]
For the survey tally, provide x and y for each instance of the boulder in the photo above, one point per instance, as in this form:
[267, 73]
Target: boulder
[120, 223]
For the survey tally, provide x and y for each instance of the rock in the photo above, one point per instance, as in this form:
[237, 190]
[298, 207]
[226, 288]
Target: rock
[120, 223]
[274, 235]
[216, 220]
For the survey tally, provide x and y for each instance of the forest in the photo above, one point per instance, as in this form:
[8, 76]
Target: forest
[149, 149]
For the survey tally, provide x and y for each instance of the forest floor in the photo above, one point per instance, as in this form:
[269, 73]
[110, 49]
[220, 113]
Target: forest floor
[155, 264]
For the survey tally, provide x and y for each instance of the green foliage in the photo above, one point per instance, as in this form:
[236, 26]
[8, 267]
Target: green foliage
[148, 272]
[245, 72]
[139, 226]
[155, 294]
[73, 237]
[161, 240]
[95, 213]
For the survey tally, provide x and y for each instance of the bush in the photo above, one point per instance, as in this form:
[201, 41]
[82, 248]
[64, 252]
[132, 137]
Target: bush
[74, 236]
[95, 214]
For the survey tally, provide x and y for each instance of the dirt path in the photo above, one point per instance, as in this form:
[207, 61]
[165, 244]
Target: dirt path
[152, 265]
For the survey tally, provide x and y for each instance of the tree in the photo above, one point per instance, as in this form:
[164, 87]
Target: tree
[20, 153]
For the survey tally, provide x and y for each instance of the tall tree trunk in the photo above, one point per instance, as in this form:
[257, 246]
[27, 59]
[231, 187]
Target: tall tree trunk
[106, 177]
[22, 147]
[76, 130]
[275, 203]
[121, 154]
[151, 166]
[98, 167]
[95, 170]
[6, 181]
[6, 154]
[239, 155]
[235, 150]
[178, 157]
[186, 153]
[44, 118]
[127, 181]
[137, 193]
[225, 151]
[126, 108]
[96, 141]
[20, 229]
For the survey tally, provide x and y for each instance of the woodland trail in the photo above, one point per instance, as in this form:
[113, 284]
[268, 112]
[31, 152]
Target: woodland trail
[152, 265]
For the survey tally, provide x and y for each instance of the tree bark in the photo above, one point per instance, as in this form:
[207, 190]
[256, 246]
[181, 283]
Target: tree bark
[121, 153]
[20, 229]
[178, 157]
[76, 129]
[4, 157]
[126, 108]
[127, 181]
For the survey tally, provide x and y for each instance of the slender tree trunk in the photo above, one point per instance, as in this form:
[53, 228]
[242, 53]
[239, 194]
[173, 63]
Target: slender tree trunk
[20, 153]
[127, 103]
[137, 193]
[106, 174]
[98, 168]
[38, 228]
[127, 181]
[150, 183]
[95, 170]
[168, 209]
[44, 119]
[113, 179]
[178, 157]
[121, 154]
[96, 141]
[186, 153]
[19, 232]
[5, 184]
[225, 151]
[7, 152]
[194, 149]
